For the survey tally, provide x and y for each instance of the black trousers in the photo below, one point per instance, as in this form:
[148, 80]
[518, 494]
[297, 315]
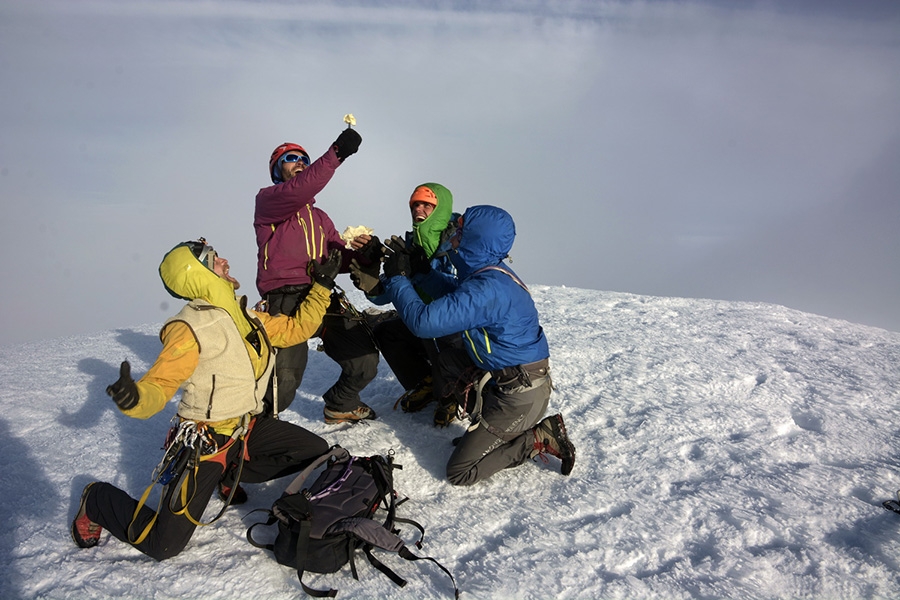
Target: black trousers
[412, 358]
[347, 342]
[276, 448]
[404, 352]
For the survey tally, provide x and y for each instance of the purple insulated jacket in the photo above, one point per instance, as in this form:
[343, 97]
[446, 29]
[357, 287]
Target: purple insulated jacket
[291, 231]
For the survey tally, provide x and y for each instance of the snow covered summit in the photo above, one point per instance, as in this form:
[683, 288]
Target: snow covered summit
[725, 449]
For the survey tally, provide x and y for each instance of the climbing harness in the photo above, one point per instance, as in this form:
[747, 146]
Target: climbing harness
[188, 443]
[506, 379]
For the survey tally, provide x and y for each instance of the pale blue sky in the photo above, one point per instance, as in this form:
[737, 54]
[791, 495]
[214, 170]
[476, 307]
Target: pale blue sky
[742, 151]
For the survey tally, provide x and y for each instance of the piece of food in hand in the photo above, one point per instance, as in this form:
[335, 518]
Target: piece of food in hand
[351, 233]
[349, 119]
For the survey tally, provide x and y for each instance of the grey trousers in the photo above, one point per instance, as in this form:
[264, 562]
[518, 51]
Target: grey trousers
[480, 453]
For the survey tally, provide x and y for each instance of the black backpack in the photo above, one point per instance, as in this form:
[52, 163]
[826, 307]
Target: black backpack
[321, 527]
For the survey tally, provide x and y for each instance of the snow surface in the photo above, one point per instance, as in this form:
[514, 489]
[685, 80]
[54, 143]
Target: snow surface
[725, 450]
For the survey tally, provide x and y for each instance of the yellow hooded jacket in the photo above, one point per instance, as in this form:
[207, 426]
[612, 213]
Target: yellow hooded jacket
[182, 351]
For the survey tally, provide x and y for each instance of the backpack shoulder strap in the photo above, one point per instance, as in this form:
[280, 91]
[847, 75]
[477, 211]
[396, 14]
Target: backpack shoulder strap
[383, 473]
[388, 572]
[408, 555]
[369, 532]
[502, 270]
[297, 484]
[416, 525]
[329, 593]
[270, 520]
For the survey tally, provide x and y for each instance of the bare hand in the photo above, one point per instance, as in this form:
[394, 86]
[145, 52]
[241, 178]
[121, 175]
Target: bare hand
[360, 241]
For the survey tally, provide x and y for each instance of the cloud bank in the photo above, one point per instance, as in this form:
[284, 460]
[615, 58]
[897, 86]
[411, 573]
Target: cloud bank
[733, 151]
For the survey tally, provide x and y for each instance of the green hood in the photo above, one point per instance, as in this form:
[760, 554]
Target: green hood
[428, 233]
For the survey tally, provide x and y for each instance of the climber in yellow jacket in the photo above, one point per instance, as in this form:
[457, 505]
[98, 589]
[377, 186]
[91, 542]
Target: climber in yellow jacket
[221, 355]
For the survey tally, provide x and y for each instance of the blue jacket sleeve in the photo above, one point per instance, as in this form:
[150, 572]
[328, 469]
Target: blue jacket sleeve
[436, 283]
[471, 305]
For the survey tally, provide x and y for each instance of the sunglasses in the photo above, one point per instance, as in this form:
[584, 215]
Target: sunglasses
[205, 254]
[292, 158]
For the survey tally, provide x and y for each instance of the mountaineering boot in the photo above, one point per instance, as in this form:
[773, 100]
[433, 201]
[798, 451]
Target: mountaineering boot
[418, 397]
[240, 496]
[445, 413]
[85, 532]
[360, 413]
[550, 437]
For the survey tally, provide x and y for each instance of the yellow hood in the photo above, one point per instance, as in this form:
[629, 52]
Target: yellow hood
[186, 277]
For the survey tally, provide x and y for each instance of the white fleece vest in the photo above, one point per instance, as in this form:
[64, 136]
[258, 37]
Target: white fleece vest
[223, 386]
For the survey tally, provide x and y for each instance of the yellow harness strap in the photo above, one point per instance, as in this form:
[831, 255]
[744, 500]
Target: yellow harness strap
[240, 433]
[137, 510]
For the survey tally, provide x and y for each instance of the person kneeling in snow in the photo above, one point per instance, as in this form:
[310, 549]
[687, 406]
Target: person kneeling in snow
[493, 309]
[426, 368]
[222, 354]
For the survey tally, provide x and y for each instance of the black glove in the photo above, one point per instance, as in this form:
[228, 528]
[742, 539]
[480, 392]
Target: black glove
[396, 244]
[347, 143]
[124, 392]
[365, 278]
[373, 251]
[397, 261]
[324, 272]
[418, 260]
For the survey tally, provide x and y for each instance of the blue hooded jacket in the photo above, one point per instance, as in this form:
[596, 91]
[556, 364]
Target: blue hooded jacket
[486, 301]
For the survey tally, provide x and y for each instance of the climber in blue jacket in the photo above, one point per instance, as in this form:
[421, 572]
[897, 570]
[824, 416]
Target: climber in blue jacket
[491, 307]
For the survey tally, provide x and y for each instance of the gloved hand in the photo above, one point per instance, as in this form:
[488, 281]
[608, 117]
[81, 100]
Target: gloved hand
[365, 278]
[124, 392]
[347, 143]
[373, 251]
[418, 260]
[397, 261]
[324, 272]
[396, 243]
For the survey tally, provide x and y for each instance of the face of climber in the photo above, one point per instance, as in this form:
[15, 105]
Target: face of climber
[221, 268]
[420, 211]
[292, 163]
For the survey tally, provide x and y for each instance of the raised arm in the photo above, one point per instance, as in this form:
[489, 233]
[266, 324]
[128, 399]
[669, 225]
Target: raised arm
[277, 202]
